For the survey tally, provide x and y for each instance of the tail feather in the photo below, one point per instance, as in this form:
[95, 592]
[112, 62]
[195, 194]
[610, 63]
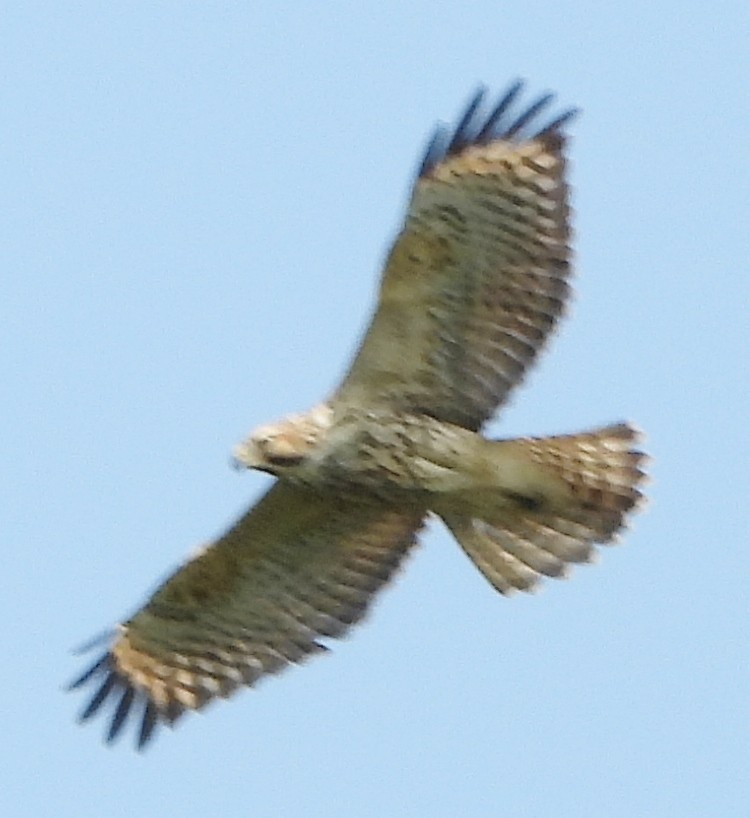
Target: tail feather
[554, 498]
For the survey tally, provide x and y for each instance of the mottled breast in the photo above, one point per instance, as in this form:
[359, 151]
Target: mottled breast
[391, 453]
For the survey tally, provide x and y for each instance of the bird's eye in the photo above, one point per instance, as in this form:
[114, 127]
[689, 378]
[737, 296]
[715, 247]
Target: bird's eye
[279, 452]
[276, 459]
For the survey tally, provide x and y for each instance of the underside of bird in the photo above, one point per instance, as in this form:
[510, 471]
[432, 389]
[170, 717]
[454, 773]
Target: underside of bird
[521, 508]
[472, 287]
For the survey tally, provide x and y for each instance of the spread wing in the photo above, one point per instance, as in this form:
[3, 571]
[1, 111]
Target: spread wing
[478, 276]
[298, 566]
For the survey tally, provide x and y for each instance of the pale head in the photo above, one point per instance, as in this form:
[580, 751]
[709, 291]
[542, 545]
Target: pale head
[283, 447]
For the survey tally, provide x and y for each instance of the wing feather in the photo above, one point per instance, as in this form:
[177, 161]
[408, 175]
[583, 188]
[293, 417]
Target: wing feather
[298, 567]
[478, 276]
[473, 285]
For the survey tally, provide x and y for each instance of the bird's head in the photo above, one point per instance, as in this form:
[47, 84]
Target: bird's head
[283, 447]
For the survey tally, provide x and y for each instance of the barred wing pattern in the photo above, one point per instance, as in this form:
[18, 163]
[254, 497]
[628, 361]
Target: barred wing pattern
[478, 276]
[298, 567]
[473, 286]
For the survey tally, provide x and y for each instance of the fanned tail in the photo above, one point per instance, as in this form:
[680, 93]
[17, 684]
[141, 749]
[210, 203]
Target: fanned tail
[555, 498]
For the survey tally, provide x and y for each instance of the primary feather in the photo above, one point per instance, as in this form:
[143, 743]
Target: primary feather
[473, 286]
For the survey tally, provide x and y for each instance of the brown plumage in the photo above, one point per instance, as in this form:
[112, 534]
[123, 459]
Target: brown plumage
[472, 287]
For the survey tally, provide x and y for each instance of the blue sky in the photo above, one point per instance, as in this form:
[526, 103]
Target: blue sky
[196, 200]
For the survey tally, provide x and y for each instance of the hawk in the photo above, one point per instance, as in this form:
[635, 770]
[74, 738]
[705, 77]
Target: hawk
[473, 285]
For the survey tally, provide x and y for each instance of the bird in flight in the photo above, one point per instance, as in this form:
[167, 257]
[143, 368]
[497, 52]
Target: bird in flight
[472, 287]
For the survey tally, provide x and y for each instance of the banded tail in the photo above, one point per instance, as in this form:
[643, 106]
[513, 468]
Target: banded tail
[542, 503]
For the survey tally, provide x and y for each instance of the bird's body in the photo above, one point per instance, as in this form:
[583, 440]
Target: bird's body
[389, 453]
[472, 287]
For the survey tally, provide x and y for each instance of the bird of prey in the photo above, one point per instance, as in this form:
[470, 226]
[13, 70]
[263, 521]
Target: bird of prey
[472, 286]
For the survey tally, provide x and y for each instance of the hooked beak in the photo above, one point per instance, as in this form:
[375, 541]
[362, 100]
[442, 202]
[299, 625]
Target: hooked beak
[244, 456]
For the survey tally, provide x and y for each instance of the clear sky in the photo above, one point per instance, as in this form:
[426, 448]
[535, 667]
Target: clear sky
[196, 199]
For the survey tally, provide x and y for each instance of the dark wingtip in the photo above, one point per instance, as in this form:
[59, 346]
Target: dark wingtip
[476, 128]
[502, 105]
[468, 127]
[102, 663]
[559, 122]
[148, 722]
[436, 149]
[98, 699]
[527, 116]
[102, 638]
[121, 713]
[104, 673]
